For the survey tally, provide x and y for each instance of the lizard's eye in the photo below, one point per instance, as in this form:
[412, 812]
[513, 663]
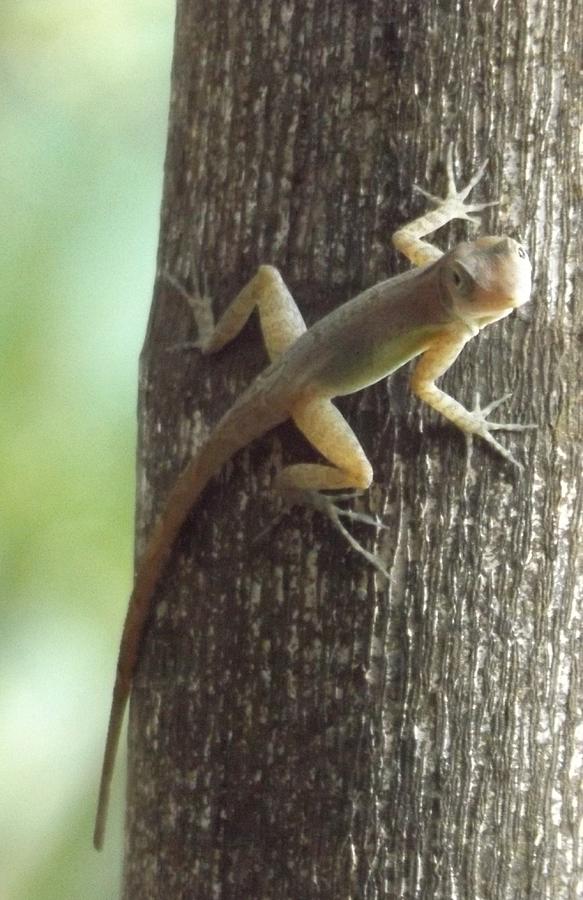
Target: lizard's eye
[460, 279]
[522, 253]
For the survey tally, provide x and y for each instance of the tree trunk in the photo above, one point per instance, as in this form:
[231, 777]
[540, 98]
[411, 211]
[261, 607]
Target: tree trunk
[299, 727]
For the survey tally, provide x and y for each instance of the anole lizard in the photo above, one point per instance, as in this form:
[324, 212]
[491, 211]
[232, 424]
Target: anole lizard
[431, 311]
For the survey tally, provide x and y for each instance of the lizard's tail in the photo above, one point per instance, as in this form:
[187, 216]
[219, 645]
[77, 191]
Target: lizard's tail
[246, 421]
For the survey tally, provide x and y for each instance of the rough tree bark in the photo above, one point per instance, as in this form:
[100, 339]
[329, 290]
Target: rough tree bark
[300, 728]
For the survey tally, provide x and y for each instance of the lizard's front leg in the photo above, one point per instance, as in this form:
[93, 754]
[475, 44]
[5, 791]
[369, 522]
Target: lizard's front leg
[453, 206]
[431, 366]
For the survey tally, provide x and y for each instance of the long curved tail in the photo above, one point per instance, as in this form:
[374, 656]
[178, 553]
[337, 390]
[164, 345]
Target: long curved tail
[246, 421]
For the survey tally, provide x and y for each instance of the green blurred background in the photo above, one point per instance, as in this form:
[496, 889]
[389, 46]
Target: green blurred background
[83, 107]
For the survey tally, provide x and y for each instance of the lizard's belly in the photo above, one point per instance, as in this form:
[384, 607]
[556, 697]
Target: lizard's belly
[349, 369]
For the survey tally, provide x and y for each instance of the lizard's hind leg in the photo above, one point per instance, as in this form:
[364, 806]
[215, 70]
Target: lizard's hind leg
[329, 432]
[281, 321]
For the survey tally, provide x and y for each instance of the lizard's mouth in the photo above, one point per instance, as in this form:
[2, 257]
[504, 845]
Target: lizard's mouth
[518, 299]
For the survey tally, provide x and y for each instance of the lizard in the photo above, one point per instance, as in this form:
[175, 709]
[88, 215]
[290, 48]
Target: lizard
[430, 312]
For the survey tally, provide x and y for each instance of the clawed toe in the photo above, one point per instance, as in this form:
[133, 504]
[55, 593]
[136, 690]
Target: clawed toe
[324, 504]
[456, 198]
[485, 427]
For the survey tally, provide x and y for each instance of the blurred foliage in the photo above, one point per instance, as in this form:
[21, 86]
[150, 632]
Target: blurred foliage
[83, 110]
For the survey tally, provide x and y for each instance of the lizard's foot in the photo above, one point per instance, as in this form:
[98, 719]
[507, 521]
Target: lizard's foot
[454, 201]
[324, 504]
[202, 310]
[484, 427]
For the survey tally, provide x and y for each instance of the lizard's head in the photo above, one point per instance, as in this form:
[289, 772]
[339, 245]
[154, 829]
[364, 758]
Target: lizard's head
[486, 279]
